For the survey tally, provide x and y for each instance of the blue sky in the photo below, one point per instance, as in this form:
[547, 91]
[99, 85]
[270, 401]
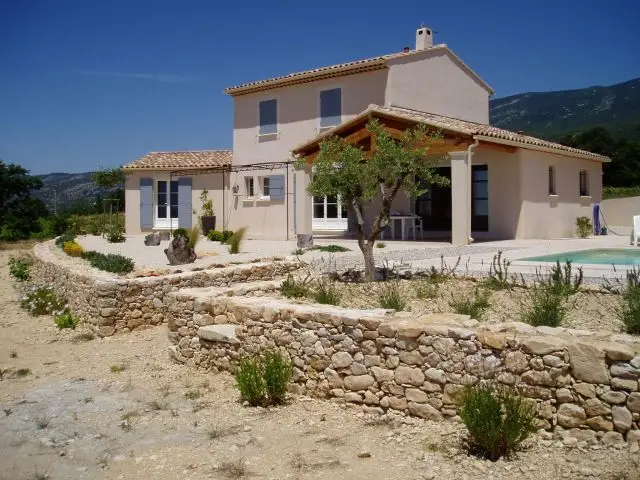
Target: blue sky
[88, 84]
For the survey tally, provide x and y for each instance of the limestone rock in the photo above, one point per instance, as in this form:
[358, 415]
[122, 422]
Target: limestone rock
[304, 240]
[358, 382]
[599, 423]
[424, 410]
[563, 395]
[612, 438]
[409, 375]
[624, 370]
[516, 362]
[334, 379]
[495, 340]
[179, 252]
[152, 240]
[585, 389]
[382, 374]
[219, 333]
[618, 351]
[452, 393]
[594, 407]
[624, 384]
[570, 415]
[411, 358]
[341, 359]
[542, 345]
[415, 395]
[397, 403]
[435, 375]
[633, 402]
[614, 398]
[621, 418]
[587, 363]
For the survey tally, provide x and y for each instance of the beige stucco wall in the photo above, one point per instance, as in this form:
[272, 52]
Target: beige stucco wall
[211, 182]
[620, 211]
[545, 216]
[436, 84]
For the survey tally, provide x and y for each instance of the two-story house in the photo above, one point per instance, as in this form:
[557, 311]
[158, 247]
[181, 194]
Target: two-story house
[503, 184]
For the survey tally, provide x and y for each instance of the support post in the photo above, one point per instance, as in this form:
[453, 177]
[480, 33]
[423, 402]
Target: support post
[460, 203]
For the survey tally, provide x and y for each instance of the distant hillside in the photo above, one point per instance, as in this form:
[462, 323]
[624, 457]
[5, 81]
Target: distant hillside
[68, 187]
[553, 114]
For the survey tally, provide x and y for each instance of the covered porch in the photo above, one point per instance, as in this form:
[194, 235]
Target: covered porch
[457, 213]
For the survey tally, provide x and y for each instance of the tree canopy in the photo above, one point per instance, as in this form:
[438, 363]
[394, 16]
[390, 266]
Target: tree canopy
[359, 177]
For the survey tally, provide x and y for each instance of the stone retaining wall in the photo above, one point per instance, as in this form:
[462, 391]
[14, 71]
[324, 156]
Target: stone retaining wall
[584, 382]
[112, 303]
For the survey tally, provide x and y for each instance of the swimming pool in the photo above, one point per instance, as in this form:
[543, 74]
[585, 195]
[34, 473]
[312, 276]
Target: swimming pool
[608, 256]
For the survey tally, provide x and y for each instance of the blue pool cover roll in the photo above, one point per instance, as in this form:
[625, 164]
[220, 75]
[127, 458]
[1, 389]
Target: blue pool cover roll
[596, 218]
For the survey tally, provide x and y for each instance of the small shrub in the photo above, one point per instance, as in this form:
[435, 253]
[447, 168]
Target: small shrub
[547, 307]
[381, 245]
[426, 289]
[497, 420]
[250, 381]
[42, 301]
[193, 234]
[64, 238]
[193, 394]
[118, 367]
[584, 228]
[331, 248]
[215, 236]
[292, 288]
[561, 281]
[498, 278]
[298, 251]
[235, 241]
[72, 249]
[109, 263]
[19, 268]
[473, 305]
[115, 234]
[391, 297]
[629, 310]
[226, 235]
[277, 374]
[326, 292]
[66, 320]
[179, 232]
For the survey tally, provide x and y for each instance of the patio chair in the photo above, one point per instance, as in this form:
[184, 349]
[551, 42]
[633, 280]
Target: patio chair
[416, 227]
[635, 231]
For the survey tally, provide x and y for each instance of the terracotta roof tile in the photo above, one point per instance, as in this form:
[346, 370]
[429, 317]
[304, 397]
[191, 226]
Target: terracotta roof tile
[200, 159]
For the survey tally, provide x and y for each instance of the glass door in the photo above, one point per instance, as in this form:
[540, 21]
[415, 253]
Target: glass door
[166, 200]
[329, 214]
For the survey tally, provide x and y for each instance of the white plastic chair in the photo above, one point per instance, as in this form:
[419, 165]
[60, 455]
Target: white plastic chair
[635, 232]
[415, 228]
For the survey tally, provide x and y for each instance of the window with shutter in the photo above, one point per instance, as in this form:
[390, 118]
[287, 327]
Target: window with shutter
[330, 107]
[268, 117]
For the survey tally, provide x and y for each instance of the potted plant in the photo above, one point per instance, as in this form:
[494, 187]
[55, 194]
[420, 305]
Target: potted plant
[207, 217]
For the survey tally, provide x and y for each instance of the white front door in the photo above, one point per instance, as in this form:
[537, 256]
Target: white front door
[165, 197]
[329, 214]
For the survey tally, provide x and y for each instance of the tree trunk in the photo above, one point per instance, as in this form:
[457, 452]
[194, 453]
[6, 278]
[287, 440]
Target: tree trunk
[369, 263]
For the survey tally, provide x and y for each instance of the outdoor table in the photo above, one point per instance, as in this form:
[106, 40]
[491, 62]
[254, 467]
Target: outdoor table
[403, 219]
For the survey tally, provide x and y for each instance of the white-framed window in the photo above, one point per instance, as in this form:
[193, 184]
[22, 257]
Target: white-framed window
[584, 183]
[266, 187]
[330, 108]
[248, 181]
[552, 180]
[268, 117]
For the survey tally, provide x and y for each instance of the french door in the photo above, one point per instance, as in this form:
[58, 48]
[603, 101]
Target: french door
[329, 214]
[166, 204]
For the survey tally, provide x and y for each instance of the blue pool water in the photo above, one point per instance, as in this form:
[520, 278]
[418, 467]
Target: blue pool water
[608, 256]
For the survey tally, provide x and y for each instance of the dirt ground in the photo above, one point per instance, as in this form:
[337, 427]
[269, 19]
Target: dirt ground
[117, 408]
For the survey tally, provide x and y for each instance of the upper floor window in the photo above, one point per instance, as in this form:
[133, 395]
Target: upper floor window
[268, 117]
[330, 107]
[266, 187]
[584, 183]
[249, 186]
[552, 180]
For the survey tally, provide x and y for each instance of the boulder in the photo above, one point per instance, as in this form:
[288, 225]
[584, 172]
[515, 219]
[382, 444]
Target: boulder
[305, 240]
[588, 364]
[179, 252]
[152, 240]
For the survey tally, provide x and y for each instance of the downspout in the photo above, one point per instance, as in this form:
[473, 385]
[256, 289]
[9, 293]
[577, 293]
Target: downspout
[286, 192]
[470, 151]
[169, 208]
[224, 208]
[295, 216]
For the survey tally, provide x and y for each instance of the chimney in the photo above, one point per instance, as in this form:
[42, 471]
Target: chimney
[424, 38]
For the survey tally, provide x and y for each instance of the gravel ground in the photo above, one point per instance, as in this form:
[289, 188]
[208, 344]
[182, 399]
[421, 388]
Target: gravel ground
[71, 417]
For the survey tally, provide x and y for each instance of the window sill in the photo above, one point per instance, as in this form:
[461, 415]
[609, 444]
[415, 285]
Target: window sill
[249, 199]
[264, 199]
[268, 137]
[585, 197]
[553, 195]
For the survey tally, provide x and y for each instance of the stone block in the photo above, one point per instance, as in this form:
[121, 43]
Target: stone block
[304, 240]
[424, 410]
[613, 397]
[341, 359]
[622, 418]
[382, 374]
[219, 333]
[411, 358]
[624, 384]
[588, 363]
[542, 345]
[600, 424]
[152, 240]
[358, 382]
[633, 402]
[594, 407]
[408, 375]
[624, 370]
[415, 395]
[397, 403]
[570, 415]
[585, 389]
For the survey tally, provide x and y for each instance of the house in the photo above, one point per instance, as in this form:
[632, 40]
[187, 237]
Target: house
[503, 184]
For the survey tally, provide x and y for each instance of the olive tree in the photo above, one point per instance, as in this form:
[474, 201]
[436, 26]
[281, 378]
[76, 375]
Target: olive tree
[359, 177]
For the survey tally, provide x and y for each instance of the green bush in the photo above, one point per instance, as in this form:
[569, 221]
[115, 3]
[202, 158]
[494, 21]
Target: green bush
[66, 320]
[215, 236]
[562, 281]
[42, 301]
[584, 228]
[391, 297]
[620, 192]
[547, 306]
[629, 310]
[331, 248]
[473, 305]
[277, 375]
[381, 245]
[498, 278]
[115, 234]
[180, 232]
[326, 292]
[226, 235]
[19, 268]
[497, 420]
[250, 381]
[109, 263]
[235, 241]
[64, 238]
[426, 289]
[193, 234]
[292, 288]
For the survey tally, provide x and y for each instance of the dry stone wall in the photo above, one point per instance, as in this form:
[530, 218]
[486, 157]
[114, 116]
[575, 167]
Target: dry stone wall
[583, 383]
[111, 303]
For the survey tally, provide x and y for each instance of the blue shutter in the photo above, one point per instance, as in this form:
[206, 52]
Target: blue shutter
[146, 203]
[330, 107]
[185, 211]
[268, 117]
[276, 187]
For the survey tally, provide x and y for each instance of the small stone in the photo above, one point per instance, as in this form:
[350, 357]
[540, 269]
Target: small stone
[599, 423]
[415, 395]
[358, 382]
[624, 384]
[411, 358]
[614, 398]
[570, 415]
[563, 395]
[435, 375]
[624, 370]
[622, 418]
[516, 362]
[585, 389]
[633, 402]
[364, 455]
[594, 407]
[341, 359]
[424, 410]
[612, 438]
[635, 362]
[382, 374]
[588, 364]
[408, 375]
[552, 361]
[397, 403]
